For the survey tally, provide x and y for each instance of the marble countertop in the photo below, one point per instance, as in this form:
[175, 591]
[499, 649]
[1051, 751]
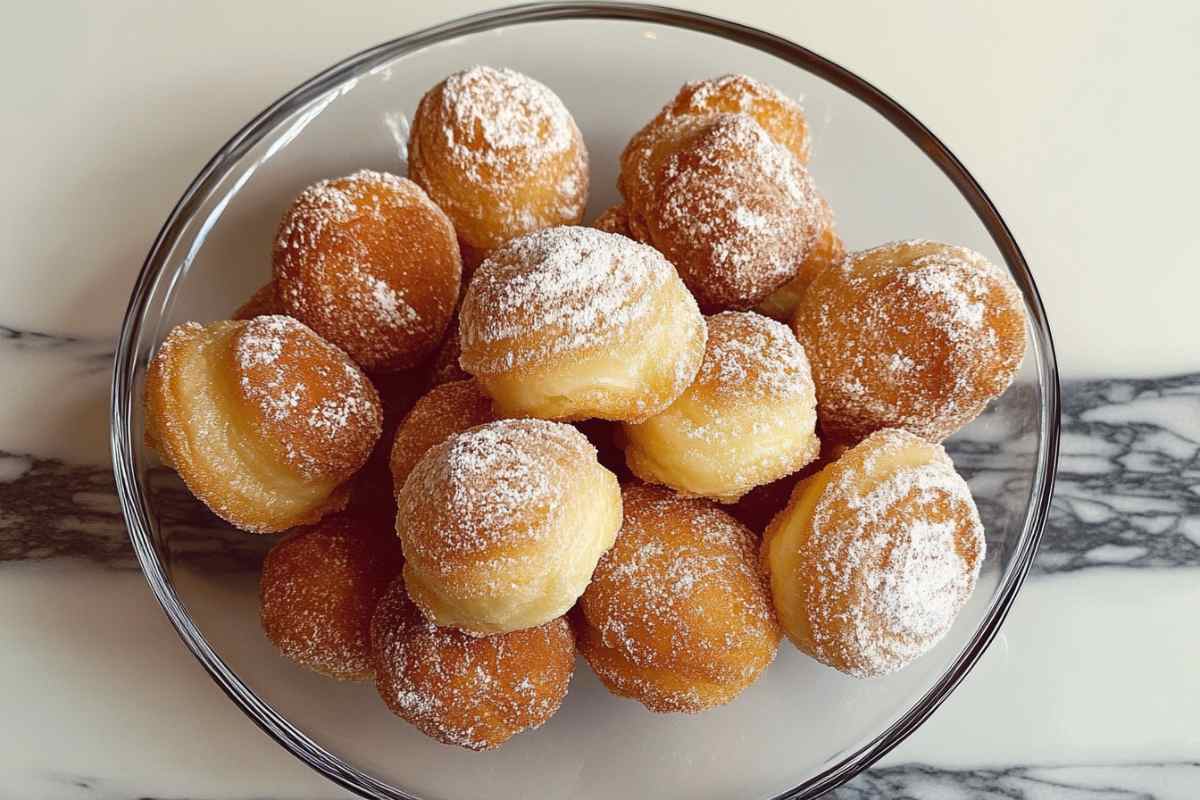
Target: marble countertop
[1067, 114]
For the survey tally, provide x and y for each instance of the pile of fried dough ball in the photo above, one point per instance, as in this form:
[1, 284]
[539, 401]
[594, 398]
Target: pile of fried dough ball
[497, 438]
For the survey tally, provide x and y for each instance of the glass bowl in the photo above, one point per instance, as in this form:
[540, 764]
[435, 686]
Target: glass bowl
[800, 730]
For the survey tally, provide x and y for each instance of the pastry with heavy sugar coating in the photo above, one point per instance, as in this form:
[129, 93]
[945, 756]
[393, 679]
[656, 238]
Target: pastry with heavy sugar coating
[748, 419]
[781, 304]
[875, 555]
[443, 411]
[319, 588]
[572, 323]
[915, 335]
[730, 207]
[500, 153]
[677, 615]
[473, 692]
[779, 115]
[265, 421]
[372, 264]
[502, 524]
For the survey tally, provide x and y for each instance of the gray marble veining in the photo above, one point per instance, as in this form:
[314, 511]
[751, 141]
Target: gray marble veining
[1128, 491]
[1171, 780]
[1168, 780]
[91, 352]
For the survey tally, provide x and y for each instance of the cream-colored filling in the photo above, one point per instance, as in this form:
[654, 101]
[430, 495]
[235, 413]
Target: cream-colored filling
[722, 450]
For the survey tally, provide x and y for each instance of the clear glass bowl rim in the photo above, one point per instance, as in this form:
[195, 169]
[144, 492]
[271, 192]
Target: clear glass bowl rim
[132, 495]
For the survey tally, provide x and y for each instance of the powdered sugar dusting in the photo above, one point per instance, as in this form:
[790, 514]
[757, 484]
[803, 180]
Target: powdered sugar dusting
[314, 402]
[511, 111]
[915, 334]
[319, 588]
[733, 209]
[749, 355]
[680, 590]
[566, 289]
[782, 116]
[901, 559]
[371, 264]
[491, 479]
[493, 133]
[745, 92]
[463, 690]
[324, 203]
[748, 418]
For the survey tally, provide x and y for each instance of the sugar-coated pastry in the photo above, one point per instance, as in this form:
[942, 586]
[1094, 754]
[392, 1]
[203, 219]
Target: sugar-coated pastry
[265, 421]
[469, 691]
[779, 115]
[730, 207]
[370, 263]
[319, 588]
[445, 367]
[445, 410]
[614, 219]
[263, 303]
[781, 303]
[749, 418]
[915, 335]
[500, 153]
[677, 615]
[875, 555]
[502, 525]
[572, 323]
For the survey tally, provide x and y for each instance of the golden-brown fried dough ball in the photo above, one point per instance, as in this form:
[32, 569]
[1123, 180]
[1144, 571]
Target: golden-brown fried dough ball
[677, 615]
[571, 323]
[501, 154]
[915, 335]
[779, 115]
[731, 208]
[265, 421]
[445, 410]
[319, 588]
[502, 525]
[370, 263]
[749, 418]
[875, 555]
[829, 250]
[474, 692]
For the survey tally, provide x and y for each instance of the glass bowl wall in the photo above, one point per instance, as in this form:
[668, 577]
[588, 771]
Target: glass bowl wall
[802, 728]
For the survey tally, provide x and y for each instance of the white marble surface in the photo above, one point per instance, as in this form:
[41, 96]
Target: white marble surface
[1069, 114]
